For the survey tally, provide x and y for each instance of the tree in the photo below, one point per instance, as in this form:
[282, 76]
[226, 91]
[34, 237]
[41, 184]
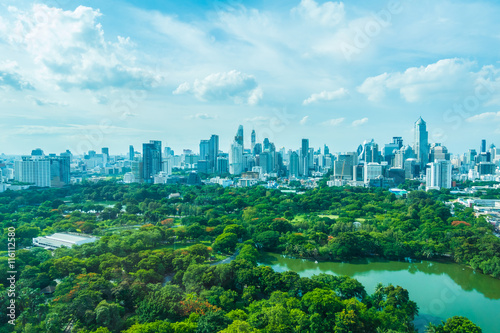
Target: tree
[109, 315]
[225, 243]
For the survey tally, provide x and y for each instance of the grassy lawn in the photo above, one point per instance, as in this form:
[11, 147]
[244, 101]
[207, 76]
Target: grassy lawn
[329, 216]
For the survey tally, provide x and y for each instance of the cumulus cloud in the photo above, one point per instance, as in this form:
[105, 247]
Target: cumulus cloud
[304, 120]
[443, 78]
[328, 14]
[333, 122]
[11, 78]
[359, 122]
[483, 117]
[236, 86]
[338, 94]
[71, 51]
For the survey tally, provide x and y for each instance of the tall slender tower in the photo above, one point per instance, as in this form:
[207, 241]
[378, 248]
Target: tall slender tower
[239, 136]
[253, 140]
[421, 143]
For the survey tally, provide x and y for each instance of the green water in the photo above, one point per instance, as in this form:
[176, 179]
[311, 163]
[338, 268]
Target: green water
[441, 290]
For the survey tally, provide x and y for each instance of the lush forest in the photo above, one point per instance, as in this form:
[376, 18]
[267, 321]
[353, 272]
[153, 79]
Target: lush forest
[155, 269]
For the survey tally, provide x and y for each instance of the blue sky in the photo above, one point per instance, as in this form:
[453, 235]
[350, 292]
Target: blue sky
[83, 75]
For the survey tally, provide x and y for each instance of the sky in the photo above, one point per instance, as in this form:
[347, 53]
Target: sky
[91, 74]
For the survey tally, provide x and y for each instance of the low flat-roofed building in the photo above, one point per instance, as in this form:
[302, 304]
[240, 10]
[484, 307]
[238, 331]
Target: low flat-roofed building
[58, 240]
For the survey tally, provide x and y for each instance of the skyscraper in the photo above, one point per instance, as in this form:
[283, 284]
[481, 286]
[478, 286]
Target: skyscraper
[421, 143]
[239, 136]
[483, 146]
[293, 168]
[253, 140]
[151, 159]
[304, 158]
[236, 153]
[131, 153]
[438, 175]
[213, 152]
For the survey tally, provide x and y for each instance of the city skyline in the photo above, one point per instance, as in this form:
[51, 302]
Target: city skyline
[332, 72]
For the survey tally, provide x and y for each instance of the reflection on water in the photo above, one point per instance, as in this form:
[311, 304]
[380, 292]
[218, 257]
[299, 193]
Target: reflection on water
[440, 289]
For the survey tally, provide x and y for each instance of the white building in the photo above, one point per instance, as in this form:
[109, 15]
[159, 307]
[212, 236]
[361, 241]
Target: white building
[35, 171]
[372, 171]
[236, 159]
[58, 240]
[438, 175]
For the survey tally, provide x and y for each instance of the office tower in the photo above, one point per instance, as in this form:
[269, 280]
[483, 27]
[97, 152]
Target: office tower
[471, 156]
[372, 171]
[266, 144]
[137, 170]
[213, 152]
[265, 162]
[368, 152]
[483, 146]
[252, 138]
[204, 150]
[37, 152]
[390, 149]
[438, 175]
[168, 151]
[293, 168]
[438, 152]
[105, 151]
[304, 158]
[343, 166]
[412, 168]
[59, 170]
[131, 153]
[326, 150]
[421, 143]
[236, 158]
[239, 136]
[222, 164]
[257, 149]
[151, 159]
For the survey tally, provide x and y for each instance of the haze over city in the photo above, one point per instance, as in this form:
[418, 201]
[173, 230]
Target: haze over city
[116, 73]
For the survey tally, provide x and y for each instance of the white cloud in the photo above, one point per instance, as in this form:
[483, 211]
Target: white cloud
[11, 78]
[236, 86]
[442, 79]
[359, 122]
[333, 122]
[483, 117]
[73, 129]
[338, 94]
[328, 14]
[70, 50]
[304, 120]
[44, 102]
[202, 116]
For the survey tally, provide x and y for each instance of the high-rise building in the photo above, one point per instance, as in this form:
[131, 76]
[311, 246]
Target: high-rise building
[213, 153]
[372, 171]
[304, 156]
[253, 140]
[105, 151]
[43, 171]
[344, 165]
[293, 167]
[204, 148]
[438, 175]
[239, 136]
[438, 152]
[421, 142]
[483, 146]
[236, 159]
[131, 153]
[151, 159]
[34, 171]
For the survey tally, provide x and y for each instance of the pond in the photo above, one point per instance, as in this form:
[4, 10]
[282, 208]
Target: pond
[441, 290]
